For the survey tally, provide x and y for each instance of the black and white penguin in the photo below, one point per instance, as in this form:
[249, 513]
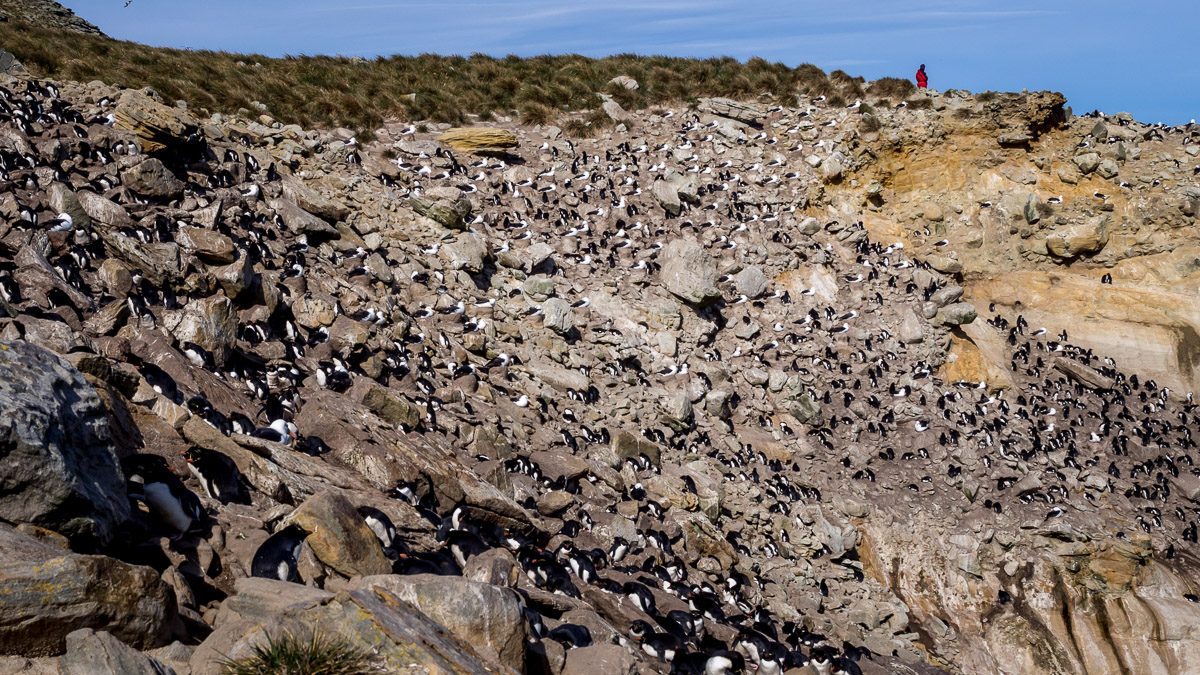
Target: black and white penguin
[379, 524]
[218, 475]
[276, 557]
[166, 496]
[280, 431]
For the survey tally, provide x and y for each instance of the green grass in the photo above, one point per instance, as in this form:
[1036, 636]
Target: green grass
[324, 91]
[286, 654]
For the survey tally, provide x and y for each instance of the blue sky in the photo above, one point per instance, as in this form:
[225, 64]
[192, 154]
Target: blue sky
[1114, 56]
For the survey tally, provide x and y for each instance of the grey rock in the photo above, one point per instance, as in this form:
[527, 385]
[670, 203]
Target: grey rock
[99, 653]
[956, 314]
[58, 464]
[488, 618]
[445, 205]
[558, 316]
[751, 282]
[151, 178]
[726, 107]
[47, 592]
[910, 328]
[667, 196]
[1087, 162]
[689, 272]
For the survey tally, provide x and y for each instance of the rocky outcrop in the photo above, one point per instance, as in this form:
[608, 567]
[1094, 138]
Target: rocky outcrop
[477, 139]
[47, 593]
[494, 419]
[47, 14]
[58, 465]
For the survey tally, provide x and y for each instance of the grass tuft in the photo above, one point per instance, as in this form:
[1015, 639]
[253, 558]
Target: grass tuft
[286, 654]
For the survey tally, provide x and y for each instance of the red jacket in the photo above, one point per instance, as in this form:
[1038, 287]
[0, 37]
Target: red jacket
[922, 79]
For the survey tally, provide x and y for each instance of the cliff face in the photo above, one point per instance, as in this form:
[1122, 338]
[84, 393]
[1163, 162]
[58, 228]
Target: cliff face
[799, 370]
[46, 14]
[1083, 223]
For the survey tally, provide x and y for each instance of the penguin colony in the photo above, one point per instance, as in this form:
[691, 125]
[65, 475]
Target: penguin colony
[888, 424]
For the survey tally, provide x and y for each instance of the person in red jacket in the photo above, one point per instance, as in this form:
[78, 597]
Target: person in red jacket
[922, 78]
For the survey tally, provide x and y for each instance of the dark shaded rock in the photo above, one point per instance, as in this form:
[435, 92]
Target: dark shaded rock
[58, 466]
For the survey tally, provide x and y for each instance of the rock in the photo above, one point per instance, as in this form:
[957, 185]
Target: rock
[559, 378]
[157, 125]
[64, 200]
[946, 295]
[689, 272]
[47, 593]
[667, 196]
[478, 139]
[211, 323]
[751, 282]
[1078, 239]
[554, 503]
[99, 653]
[399, 637]
[150, 178]
[956, 314]
[1087, 162]
[445, 205]
[615, 111]
[339, 536]
[558, 316]
[211, 247]
[725, 107]
[488, 618]
[1032, 214]
[300, 221]
[58, 465]
[103, 210]
[625, 81]
[469, 252]
[314, 202]
[600, 660]
[910, 328]
[627, 446]
[9, 65]
[833, 166]
[1107, 169]
[1085, 375]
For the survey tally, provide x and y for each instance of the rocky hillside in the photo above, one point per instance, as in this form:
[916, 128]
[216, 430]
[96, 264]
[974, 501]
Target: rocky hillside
[824, 389]
[46, 14]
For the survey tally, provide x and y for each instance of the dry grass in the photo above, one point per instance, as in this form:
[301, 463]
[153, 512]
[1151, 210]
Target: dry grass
[322, 91]
[287, 654]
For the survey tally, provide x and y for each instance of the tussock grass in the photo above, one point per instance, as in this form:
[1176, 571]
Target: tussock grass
[286, 654]
[325, 91]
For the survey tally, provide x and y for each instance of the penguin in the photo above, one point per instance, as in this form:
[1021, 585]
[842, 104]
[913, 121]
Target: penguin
[276, 557]
[218, 475]
[162, 491]
[378, 522]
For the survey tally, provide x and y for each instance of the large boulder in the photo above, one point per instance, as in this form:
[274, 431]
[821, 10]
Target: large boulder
[398, 637]
[1078, 239]
[726, 107]
[58, 465]
[486, 617]
[340, 537]
[99, 653]
[47, 592]
[689, 272]
[209, 322]
[151, 178]
[479, 138]
[157, 126]
[668, 197]
[447, 206]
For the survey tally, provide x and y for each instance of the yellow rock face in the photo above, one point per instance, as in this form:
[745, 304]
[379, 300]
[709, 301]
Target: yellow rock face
[479, 138]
